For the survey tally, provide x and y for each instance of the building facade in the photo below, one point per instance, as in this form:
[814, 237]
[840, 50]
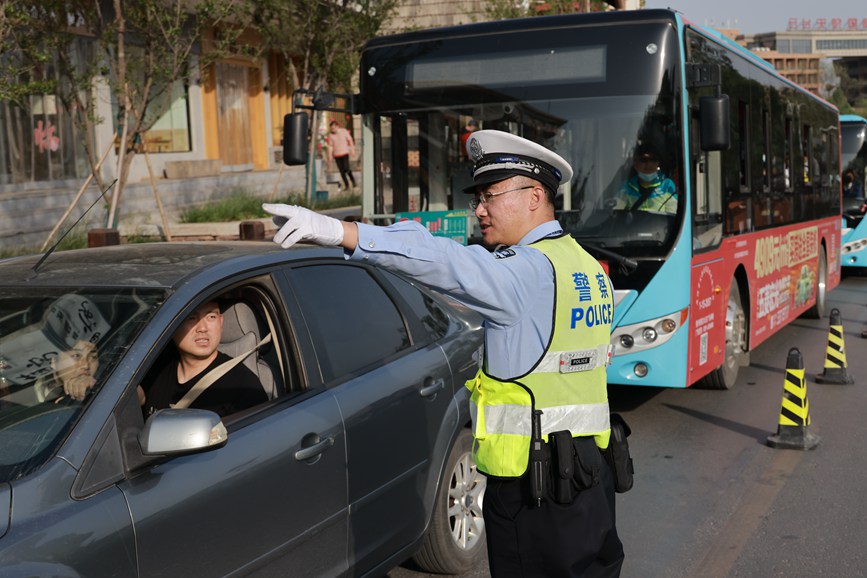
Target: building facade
[219, 134]
[798, 51]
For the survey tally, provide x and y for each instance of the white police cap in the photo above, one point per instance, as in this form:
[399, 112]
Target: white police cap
[499, 155]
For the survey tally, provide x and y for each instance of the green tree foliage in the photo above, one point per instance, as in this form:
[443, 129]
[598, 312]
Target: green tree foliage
[319, 40]
[17, 78]
[140, 49]
[504, 9]
[851, 95]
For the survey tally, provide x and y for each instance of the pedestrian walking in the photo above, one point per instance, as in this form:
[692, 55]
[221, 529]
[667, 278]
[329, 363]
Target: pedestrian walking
[341, 147]
[539, 400]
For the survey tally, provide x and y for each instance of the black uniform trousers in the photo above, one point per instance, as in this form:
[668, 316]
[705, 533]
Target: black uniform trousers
[552, 540]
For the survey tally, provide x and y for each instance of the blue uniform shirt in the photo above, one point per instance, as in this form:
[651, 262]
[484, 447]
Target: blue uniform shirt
[512, 288]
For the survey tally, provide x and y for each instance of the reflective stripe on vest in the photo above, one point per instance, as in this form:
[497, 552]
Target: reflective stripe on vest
[568, 383]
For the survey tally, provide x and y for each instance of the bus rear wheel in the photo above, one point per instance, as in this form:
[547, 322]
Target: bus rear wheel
[725, 376]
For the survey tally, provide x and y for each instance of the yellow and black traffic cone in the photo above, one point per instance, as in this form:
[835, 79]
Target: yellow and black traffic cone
[835, 354]
[792, 432]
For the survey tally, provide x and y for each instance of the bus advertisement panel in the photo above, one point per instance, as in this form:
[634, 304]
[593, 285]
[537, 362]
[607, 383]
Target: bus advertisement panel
[853, 151]
[707, 184]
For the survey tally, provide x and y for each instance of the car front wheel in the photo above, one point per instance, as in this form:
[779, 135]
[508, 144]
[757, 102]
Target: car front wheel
[456, 537]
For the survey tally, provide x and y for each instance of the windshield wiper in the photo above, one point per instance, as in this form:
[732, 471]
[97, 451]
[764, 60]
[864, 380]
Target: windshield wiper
[625, 264]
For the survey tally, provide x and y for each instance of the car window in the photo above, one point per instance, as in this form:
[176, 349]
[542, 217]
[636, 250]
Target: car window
[229, 332]
[55, 350]
[352, 320]
[431, 314]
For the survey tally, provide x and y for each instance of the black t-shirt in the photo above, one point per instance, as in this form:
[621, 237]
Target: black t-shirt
[236, 390]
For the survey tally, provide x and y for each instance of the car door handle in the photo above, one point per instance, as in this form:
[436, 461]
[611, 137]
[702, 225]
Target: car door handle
[432, 386]
[309, 452]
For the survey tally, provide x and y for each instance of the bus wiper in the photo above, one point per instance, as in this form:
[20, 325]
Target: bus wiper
[624, 264]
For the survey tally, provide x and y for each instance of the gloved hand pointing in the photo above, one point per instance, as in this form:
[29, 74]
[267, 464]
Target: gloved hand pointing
[299, 224]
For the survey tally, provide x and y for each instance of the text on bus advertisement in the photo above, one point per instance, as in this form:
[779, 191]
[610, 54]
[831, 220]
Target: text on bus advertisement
[775, 252]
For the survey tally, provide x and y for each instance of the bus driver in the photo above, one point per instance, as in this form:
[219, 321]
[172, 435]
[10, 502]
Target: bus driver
[648, 189]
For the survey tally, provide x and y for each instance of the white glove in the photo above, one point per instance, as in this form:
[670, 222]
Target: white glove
[299, 224]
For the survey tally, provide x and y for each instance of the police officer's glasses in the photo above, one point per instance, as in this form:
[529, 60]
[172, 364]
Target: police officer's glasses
[485, 198]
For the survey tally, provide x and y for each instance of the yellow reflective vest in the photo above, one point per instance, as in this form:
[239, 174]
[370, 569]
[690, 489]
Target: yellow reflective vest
[568, 382]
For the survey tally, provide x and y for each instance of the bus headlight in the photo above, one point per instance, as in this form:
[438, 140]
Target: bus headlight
[640, 369]
[648, 334]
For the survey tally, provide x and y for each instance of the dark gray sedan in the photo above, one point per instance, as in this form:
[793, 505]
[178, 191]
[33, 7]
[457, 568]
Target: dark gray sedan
[358, 460]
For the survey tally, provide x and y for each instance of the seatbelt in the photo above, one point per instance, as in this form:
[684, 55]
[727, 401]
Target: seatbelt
[645, 194]
[276, 345]
[209, 378]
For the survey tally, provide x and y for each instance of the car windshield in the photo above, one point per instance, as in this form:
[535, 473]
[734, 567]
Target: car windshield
[56, 349]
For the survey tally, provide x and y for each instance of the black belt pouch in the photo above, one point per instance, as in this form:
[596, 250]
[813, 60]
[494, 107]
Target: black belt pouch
[618, 456]
[576, 464]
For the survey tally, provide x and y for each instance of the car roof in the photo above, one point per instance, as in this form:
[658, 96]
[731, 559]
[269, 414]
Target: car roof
[149, 264]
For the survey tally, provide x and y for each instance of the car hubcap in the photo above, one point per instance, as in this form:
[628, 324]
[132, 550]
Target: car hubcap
[465, 503]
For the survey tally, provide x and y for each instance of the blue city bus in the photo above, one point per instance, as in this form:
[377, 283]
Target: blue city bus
[752, 238]
[853, 152]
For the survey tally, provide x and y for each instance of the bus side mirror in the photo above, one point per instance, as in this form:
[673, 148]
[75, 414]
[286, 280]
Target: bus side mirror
[295, 138]
[715, 128]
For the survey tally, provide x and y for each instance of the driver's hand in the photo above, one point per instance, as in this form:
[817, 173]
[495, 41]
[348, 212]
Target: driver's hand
[76, 387]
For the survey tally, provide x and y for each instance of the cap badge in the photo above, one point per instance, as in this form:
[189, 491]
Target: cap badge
[476, 151]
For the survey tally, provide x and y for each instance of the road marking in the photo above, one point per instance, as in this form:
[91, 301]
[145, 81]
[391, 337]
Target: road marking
[757, 499]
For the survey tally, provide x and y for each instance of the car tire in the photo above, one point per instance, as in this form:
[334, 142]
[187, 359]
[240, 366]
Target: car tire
[456, 536]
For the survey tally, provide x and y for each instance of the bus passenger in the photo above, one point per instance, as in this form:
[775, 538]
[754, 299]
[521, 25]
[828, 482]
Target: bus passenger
[648, 189]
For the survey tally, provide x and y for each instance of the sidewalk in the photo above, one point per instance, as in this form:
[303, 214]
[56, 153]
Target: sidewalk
[224, 231]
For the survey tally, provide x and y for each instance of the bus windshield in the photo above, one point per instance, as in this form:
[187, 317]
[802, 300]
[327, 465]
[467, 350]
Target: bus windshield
[422, 100]
[853, 138]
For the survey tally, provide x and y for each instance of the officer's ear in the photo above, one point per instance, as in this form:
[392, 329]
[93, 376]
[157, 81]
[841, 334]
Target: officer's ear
[537, 196]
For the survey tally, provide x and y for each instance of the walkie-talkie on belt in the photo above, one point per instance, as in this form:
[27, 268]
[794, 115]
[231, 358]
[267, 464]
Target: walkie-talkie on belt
[539, 458]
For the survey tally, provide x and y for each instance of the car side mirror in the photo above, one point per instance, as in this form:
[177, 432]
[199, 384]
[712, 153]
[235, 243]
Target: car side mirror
[182, 431]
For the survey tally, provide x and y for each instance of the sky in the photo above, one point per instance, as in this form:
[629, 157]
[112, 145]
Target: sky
[752, 16]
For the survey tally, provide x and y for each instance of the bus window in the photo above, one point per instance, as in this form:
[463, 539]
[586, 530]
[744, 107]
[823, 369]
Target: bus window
[744, 145]
[806, 152]
[788, 155]
[766, 150]
[708, 202]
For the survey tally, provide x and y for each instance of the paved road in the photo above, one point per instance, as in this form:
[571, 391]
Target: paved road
[712, 499]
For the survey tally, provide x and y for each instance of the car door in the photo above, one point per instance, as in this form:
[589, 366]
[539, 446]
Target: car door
[274, 495]
[394, 391]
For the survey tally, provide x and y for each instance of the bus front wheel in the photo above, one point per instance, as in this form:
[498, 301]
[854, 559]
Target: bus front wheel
[817, 311]
[725, 376]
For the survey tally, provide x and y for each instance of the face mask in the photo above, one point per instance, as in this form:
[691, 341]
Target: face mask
[647, 177]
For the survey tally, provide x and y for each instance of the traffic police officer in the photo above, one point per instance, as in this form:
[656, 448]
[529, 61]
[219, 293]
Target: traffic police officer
[547, 306]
